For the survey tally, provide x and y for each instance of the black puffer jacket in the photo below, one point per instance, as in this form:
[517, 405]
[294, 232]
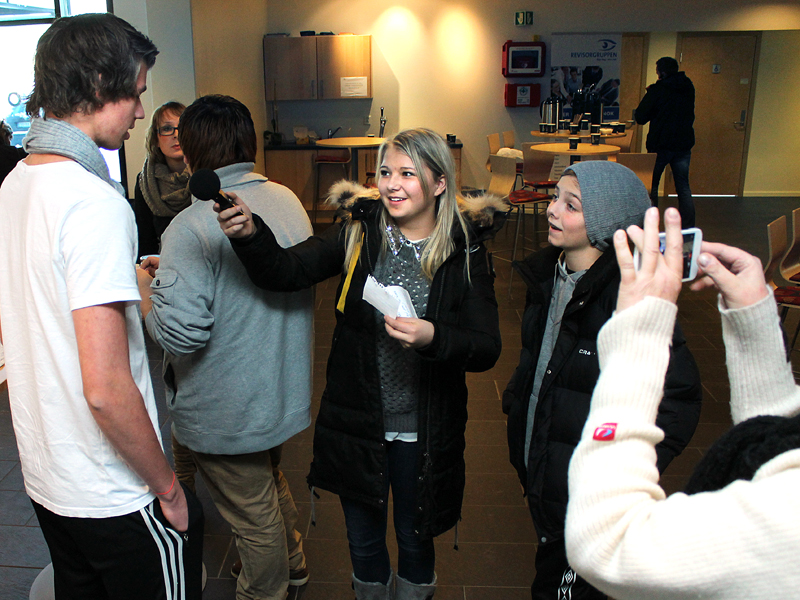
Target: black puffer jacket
[669, 106]
[349, 445]
[571, 375]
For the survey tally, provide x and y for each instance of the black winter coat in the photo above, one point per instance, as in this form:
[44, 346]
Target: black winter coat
[668, 105]
[569, 381]
[349, 444]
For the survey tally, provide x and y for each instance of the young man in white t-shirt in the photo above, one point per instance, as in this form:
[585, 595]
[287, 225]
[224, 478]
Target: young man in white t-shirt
[117, 523]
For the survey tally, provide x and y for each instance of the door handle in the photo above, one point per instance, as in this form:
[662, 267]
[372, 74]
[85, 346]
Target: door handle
[740, 124]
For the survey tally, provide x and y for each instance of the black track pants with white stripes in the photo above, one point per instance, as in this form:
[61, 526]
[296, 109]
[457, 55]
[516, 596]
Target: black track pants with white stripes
[138, 556]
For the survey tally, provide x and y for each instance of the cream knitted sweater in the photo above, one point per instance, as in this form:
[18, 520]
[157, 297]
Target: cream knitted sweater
[623, 535]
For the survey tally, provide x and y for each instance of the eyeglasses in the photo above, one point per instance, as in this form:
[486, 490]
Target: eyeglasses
[167, 130]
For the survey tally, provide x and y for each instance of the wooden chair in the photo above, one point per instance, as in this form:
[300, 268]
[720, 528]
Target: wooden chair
[640, 163]
[790, 264]
[624, 143]
[786, 295]
[508, 139]
[495, 143]
[504, 178]
[504, 175]
[536, 167]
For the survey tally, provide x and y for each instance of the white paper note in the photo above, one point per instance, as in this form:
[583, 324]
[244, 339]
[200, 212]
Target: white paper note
[391, 300]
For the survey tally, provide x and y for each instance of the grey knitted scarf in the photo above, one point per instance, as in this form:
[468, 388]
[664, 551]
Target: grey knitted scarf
[54, 136]
[166, 193]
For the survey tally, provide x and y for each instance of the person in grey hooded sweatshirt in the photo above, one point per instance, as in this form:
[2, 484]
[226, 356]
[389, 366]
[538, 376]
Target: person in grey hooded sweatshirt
[237, 358]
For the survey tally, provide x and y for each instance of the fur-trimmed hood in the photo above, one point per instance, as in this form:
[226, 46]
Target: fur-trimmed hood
[485, 213]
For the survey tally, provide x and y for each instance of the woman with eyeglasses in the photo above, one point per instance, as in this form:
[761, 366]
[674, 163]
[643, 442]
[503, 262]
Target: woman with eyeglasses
[162, 187]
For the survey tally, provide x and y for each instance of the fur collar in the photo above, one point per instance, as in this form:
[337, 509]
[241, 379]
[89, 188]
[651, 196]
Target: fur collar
[486, 213]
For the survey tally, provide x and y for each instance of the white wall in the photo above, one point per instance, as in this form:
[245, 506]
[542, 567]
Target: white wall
[775, 132]
[437, 63]
[169, 25]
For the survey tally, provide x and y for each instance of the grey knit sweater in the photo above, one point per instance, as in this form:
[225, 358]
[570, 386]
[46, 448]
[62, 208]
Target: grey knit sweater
[238, 358]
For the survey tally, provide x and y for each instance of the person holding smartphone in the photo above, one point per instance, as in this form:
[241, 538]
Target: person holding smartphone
[735, 535]
[572, 292]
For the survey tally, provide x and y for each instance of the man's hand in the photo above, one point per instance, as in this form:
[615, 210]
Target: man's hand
[660, 275]
[738, 276]
[174, 507]
[150, 264]
[236, 222]
[411, 333]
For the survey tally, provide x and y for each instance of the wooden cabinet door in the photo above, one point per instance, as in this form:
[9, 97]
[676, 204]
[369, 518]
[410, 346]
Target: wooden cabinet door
[341, 56]
[290, 68]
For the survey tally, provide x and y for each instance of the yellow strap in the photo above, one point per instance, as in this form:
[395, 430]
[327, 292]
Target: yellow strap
[350, 268]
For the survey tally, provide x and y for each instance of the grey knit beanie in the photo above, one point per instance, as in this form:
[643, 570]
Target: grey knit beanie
[612, 196]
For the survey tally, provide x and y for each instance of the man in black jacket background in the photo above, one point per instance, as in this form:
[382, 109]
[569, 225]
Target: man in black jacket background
[668, 105]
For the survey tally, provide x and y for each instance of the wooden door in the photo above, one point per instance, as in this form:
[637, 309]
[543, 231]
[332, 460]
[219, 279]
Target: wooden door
[722, 67]
[341, 56]
[290, 68]
[632, 74]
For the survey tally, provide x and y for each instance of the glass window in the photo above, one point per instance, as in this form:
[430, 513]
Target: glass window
[18, 45]
[20, 34]
[27, 10]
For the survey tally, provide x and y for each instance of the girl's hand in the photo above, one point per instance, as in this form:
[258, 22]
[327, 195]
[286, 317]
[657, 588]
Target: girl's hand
[660, 274]
[738, 276]
[236, 222]
[411, 333]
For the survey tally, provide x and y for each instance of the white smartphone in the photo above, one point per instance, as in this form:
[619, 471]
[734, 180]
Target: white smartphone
[692, 239]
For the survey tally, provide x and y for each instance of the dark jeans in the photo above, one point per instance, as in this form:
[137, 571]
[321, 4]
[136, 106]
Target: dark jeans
[366, 525]
[555, 579]
[679, 162]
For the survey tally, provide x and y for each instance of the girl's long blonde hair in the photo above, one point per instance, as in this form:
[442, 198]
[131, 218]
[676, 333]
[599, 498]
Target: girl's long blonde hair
[427, 150]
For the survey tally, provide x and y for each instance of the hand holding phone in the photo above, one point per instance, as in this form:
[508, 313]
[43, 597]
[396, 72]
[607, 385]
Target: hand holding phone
[692, 240]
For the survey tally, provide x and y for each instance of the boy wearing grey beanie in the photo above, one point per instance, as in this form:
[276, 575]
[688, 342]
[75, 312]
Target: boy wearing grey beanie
[572, 292]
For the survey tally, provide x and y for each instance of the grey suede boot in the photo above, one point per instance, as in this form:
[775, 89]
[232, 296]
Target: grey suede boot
[406, 590]
[374, 591]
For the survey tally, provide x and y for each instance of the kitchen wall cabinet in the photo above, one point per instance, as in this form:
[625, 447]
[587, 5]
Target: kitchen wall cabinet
[315, 67]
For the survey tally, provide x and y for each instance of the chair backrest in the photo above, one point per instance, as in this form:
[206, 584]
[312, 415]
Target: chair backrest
[508, 139]
[624, 143]
[494, 142]
[640, 163]
[790, 265]
[776, 236]
[504, 175]
[536, 165]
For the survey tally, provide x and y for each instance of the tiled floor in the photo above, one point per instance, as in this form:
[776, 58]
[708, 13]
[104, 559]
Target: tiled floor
[496, 537]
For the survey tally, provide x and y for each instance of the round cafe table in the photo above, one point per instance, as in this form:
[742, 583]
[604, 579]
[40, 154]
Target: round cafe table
[562, 134]
[605, 150]
[354, 143]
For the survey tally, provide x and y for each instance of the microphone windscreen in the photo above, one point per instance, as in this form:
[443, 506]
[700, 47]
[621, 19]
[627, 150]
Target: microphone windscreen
[204, 184]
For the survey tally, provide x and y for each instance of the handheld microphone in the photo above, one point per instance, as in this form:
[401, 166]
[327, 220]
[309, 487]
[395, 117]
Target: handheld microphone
[204, 184]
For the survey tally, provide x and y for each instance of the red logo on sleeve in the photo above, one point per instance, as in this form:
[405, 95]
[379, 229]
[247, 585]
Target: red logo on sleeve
[605, 433]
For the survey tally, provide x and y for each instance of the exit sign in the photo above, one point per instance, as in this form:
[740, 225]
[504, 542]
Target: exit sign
[523, 17]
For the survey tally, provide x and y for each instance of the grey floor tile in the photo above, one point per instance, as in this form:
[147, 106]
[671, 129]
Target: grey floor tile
[15, 582]
[15, 508]
[6, 466]
[13, 479]
[23, 547]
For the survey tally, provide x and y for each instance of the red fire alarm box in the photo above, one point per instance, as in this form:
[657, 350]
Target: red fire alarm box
[522, 94]
[523, 59]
